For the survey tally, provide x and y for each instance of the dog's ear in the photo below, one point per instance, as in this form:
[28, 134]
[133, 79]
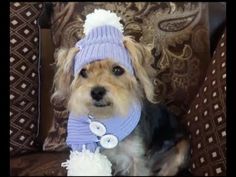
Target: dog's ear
[64, 74]
[141, 59]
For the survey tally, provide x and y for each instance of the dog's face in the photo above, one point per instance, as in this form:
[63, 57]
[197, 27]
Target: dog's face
[104, 88]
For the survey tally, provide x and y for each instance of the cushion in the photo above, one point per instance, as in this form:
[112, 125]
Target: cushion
[176, 32]
[206, 119]
[24, 76]
[47, 164]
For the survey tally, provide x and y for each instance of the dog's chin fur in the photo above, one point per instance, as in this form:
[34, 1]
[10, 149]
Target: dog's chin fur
[121, 91]
[157, 143]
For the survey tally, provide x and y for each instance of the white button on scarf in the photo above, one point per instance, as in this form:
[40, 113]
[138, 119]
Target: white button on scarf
[109, 141]
[97, 128]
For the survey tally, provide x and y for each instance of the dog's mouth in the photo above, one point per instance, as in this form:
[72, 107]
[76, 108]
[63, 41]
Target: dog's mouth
[101, 104]
[101, 109]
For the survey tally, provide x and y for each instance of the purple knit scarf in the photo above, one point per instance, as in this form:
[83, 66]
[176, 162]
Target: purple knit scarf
[79, 133]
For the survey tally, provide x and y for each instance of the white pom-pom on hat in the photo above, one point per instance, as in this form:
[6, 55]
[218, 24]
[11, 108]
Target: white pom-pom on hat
[101, 17]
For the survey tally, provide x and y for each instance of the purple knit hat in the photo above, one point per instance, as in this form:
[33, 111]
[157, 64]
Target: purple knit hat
[103, 41]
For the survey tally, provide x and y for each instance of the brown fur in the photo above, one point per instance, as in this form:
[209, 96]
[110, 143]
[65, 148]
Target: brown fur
[175, 159]
[141, 59]
[63, 77]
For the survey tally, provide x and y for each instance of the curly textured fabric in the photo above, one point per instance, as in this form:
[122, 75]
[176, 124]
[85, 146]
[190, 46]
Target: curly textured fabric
[79, 134]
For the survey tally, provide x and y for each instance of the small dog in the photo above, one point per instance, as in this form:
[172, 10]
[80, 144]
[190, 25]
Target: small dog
[158, 145]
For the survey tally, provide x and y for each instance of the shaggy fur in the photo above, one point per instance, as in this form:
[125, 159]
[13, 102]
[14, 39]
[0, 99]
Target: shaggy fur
[158, 145]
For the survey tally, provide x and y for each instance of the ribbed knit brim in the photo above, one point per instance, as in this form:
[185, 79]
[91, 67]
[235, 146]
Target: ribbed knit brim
[102, 43]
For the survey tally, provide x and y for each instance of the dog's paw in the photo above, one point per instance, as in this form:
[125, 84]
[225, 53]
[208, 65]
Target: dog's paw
[123, 170]
[168, 170]
[123, 166]
[122, 173]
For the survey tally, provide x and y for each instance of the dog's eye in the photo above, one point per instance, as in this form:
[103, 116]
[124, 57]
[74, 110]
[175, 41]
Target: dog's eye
[117, 70]
[83, 73]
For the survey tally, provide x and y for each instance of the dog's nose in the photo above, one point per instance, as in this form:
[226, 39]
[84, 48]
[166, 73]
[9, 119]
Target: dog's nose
[98, 92]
